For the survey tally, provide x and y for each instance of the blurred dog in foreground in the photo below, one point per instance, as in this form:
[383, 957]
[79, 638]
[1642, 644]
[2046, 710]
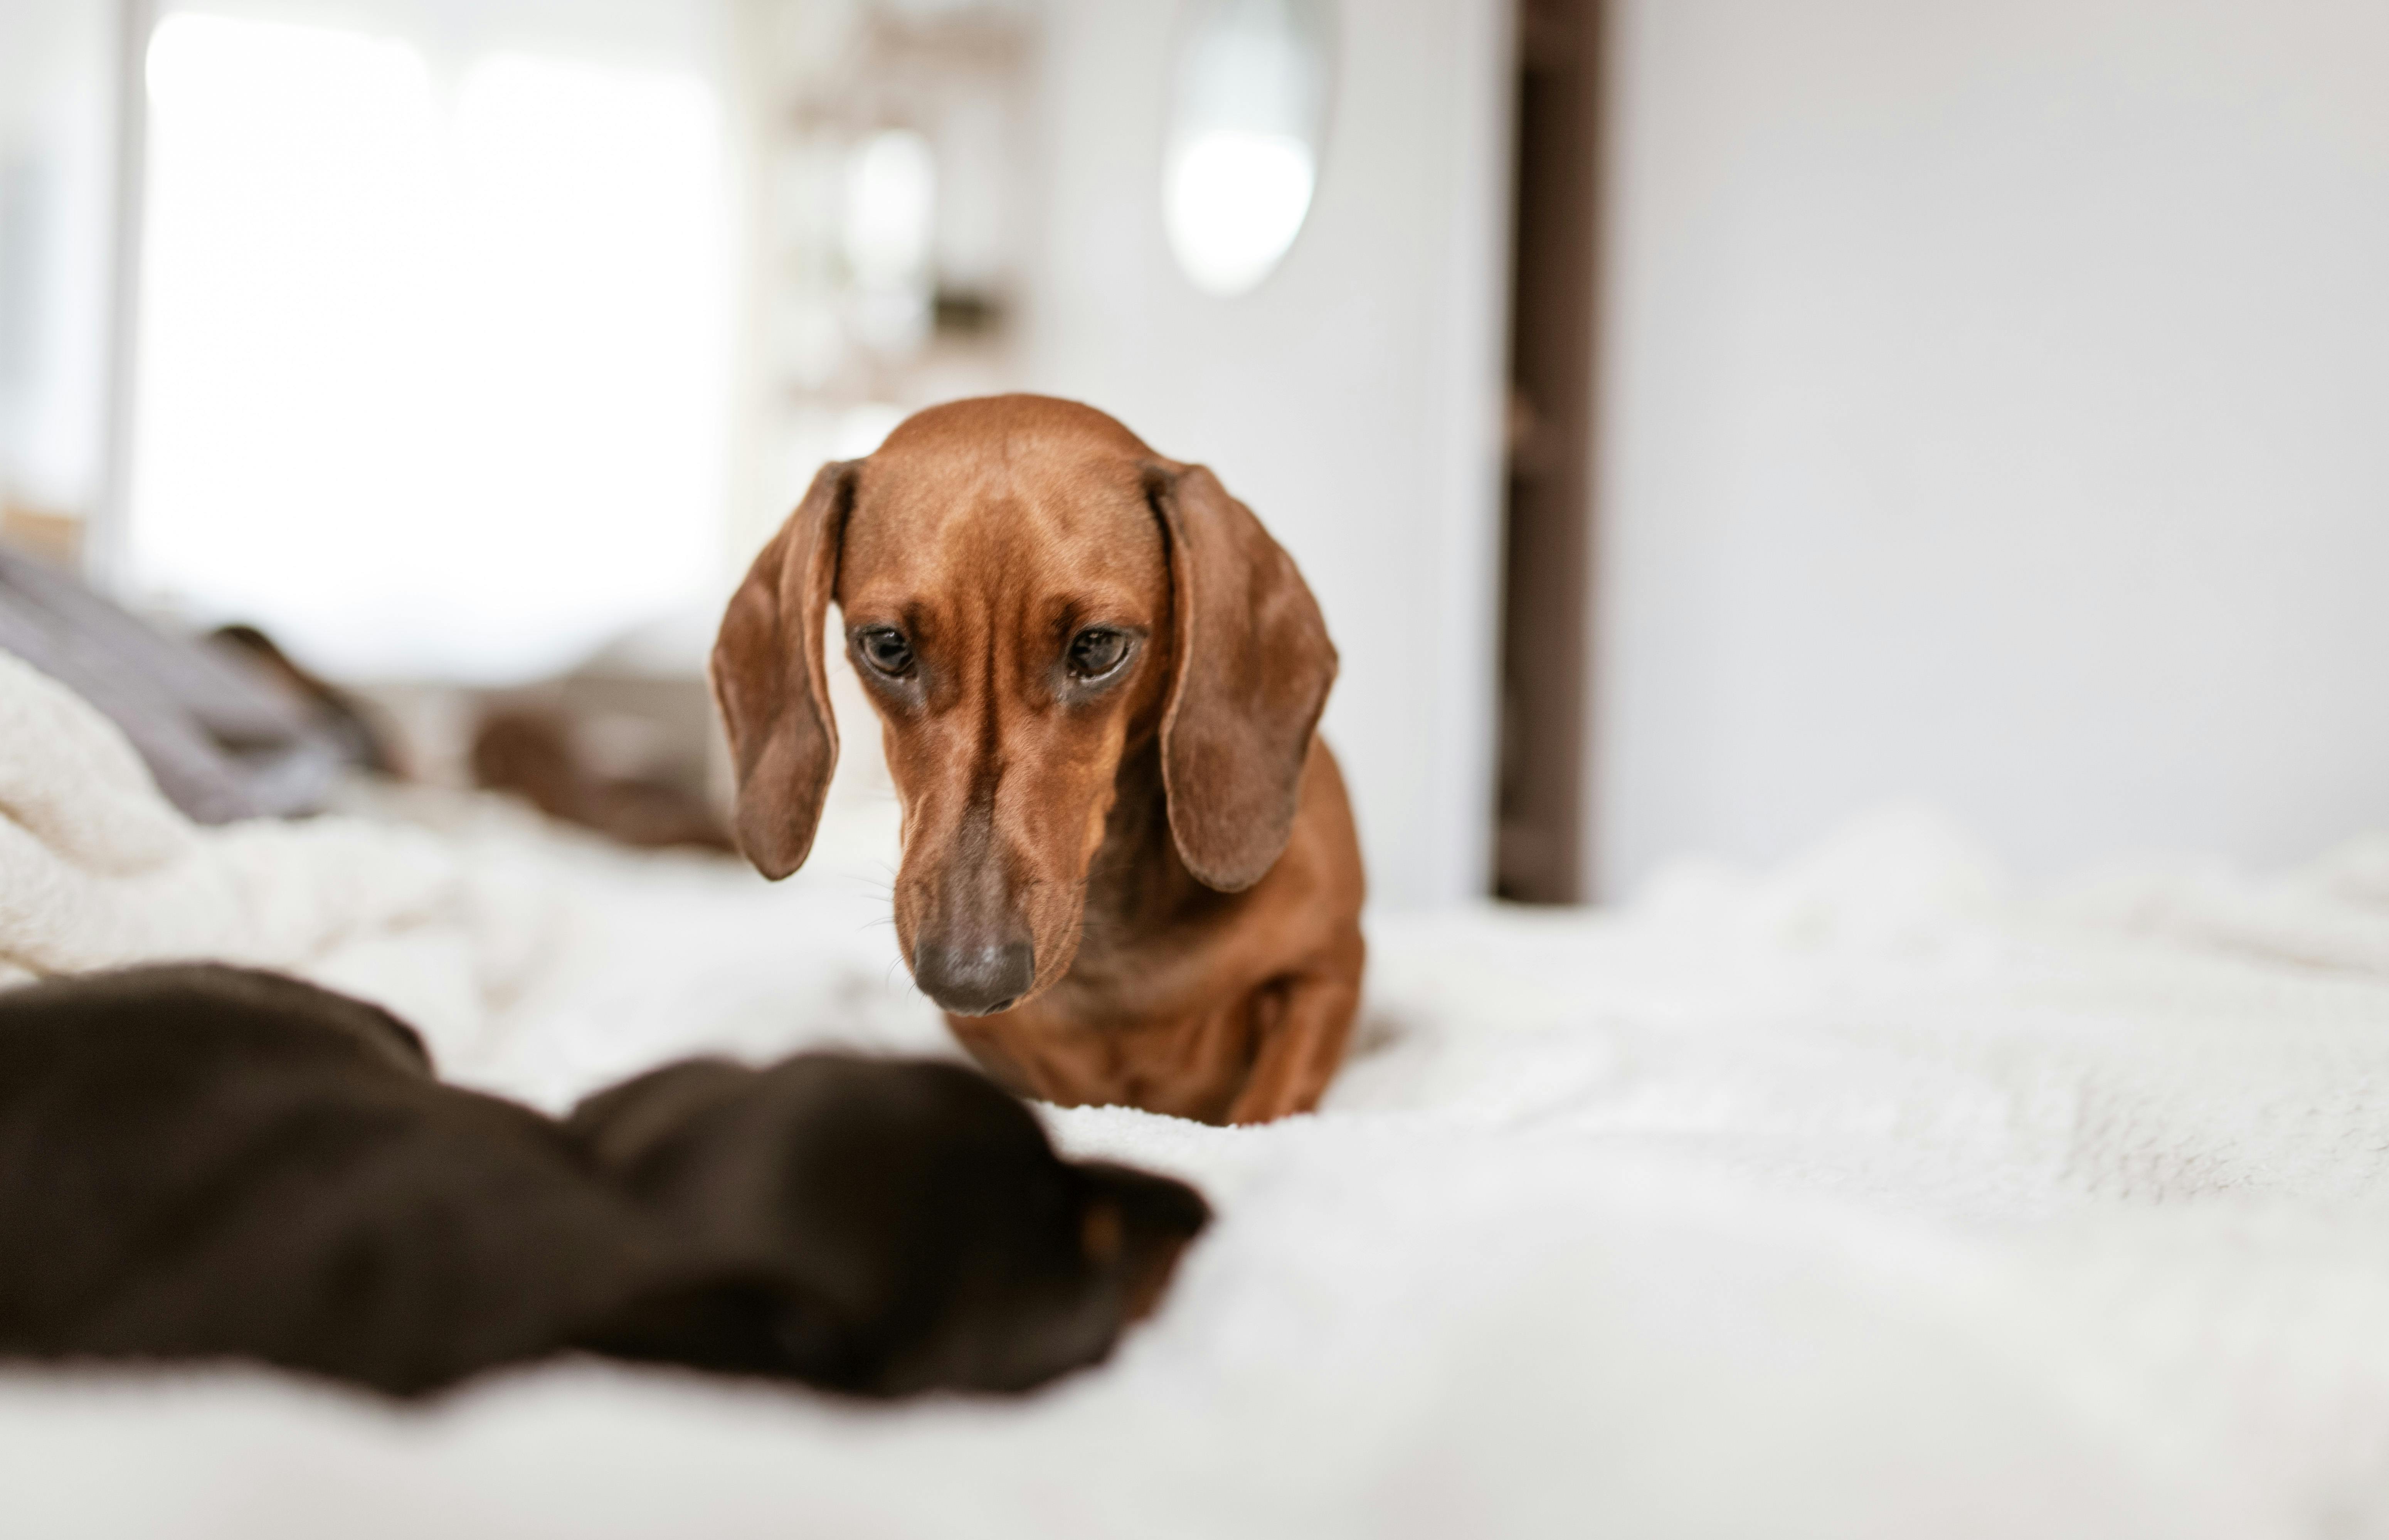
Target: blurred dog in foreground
[1130, 871]
[203, 1163]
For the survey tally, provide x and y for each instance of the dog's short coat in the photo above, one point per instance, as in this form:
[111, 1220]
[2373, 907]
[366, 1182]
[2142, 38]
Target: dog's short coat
[204, 1162]
[908, 1223]
[1129, 873]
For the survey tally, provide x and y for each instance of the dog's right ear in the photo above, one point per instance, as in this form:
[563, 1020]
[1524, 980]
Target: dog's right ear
[733, 1324]
[620, 1129]
[767, 679]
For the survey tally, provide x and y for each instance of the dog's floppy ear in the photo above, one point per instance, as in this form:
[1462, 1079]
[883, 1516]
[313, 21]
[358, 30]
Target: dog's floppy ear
[768, 680]
[620, 1129]
[1254, 665]
[731, 1322]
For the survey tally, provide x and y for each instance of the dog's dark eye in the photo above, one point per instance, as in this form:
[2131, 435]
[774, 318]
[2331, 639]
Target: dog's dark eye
[1096, 652]
[885, 649]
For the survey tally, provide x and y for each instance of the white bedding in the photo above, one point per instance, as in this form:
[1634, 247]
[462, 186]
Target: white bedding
[1867, 1197]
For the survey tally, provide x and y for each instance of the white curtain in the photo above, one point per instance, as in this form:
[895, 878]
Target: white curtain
[435, 363]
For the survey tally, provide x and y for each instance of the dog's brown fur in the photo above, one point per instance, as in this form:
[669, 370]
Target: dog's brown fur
[202, 1162]
[1145, 889]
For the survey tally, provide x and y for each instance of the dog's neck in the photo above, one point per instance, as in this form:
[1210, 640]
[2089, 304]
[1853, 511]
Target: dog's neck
[1136, 883]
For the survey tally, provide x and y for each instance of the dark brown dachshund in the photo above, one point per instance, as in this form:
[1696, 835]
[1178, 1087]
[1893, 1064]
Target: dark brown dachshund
[1129, 873]
[908, 1222]
[206, 1163]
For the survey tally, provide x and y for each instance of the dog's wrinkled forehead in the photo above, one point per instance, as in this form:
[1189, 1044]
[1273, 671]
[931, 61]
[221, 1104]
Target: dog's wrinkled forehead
[1012, 492]
[1011, 423]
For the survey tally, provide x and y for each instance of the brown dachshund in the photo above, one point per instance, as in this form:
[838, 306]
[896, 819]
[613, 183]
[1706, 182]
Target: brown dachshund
[1129, 873]
[202, 1162]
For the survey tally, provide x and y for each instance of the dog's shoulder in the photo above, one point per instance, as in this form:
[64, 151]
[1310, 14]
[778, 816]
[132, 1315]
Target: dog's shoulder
[625, 1129]
[184, 1012]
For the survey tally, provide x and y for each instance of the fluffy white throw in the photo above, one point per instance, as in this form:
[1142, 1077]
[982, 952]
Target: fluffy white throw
[97, 869]
[1869, 1196]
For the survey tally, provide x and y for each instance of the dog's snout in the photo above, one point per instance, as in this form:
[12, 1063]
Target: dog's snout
[975, 979]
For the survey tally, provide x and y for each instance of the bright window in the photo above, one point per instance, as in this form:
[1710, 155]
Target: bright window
[434, 369]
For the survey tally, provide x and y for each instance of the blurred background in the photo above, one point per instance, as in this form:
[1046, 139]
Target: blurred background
[1702, 420]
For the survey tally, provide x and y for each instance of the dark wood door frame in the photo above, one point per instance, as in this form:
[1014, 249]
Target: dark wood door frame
[1548, 563]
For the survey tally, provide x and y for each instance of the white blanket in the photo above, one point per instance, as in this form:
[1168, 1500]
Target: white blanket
[1866, 1198]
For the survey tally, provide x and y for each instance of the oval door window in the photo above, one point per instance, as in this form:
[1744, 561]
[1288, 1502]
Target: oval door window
[1240, 156]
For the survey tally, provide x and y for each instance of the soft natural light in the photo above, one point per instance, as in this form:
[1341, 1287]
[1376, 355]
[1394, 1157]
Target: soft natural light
[1241, 155]
[1234, 202]
[432, 379]
[891, 195]
[890, 216]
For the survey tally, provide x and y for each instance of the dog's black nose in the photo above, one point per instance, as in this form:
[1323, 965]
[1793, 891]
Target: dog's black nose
[975, 980]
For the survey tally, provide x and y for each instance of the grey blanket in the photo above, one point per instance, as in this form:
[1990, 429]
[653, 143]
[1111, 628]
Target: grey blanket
[224, 741]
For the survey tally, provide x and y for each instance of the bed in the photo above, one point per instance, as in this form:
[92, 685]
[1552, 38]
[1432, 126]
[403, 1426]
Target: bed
[1873, 1195]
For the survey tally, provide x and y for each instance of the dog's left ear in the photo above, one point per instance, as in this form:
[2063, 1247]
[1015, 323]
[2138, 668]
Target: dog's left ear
[767, 679]
[1254, 666]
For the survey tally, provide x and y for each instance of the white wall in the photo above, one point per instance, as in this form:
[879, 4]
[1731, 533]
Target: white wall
[57, 149]
[1996, 409]
[1353, 399]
